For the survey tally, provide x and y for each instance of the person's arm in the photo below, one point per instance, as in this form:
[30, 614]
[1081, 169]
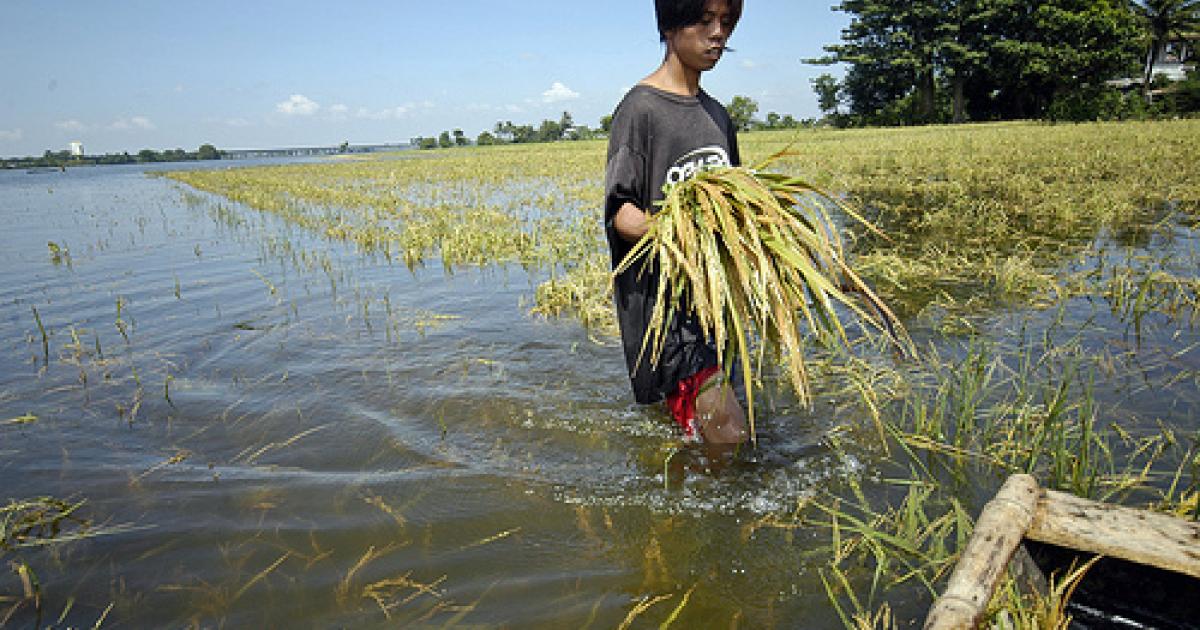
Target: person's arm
[631, 222]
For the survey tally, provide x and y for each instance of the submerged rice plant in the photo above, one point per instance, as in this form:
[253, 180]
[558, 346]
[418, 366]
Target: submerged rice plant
[753, 253]
[27, 525]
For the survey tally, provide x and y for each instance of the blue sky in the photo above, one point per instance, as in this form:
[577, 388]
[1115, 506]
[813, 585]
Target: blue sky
[123, 75]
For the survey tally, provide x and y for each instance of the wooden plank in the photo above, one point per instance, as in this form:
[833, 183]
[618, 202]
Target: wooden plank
[998, 532]
[1150, 538]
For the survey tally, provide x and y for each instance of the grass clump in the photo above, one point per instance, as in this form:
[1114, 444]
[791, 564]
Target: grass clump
[964, 204]
[29, 524]
[940, 439]
[752, 253]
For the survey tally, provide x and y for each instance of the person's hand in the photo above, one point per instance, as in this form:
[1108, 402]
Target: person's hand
[631, 222]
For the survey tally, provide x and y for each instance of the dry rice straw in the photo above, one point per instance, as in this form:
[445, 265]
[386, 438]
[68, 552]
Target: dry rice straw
[749, 252]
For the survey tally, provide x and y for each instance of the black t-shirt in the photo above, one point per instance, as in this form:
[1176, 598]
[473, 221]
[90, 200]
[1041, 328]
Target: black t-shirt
[658, 138]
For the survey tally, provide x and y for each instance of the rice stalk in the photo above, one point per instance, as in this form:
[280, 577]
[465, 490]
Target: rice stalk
[678, 609]
[1012, 609]
[45, 338]
[260, 576]
[754, 254]
[641, 607]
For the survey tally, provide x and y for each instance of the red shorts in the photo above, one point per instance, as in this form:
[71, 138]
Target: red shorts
[682, 401]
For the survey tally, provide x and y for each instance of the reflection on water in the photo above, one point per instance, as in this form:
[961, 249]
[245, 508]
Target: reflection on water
[301, 433]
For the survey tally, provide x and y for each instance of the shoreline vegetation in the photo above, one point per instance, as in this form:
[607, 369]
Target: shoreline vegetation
[64, 159]
[984, 219]
[742, 110]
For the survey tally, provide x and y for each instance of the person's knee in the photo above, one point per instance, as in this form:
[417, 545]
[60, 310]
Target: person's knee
[720, 416]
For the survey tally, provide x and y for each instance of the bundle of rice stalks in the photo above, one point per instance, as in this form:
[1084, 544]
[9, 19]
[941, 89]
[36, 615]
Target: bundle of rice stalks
[751, 253]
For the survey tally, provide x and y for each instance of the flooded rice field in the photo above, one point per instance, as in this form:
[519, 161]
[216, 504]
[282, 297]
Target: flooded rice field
[281, 431]
[230, 418]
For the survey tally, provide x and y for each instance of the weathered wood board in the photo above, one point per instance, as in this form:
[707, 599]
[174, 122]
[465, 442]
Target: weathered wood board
[1150, 538]
[998, 532]
[1020, 510]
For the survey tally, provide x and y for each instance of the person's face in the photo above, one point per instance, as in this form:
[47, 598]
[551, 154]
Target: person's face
[699, 46]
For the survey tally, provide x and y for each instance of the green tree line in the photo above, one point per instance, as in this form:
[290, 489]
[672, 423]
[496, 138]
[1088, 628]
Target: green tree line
[505, 132]
[928, 61]
[742, 109]
[64, 158]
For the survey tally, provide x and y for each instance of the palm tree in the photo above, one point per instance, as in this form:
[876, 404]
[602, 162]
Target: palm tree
[1164, 18]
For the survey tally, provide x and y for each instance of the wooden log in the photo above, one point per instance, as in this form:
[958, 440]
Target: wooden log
[999, 530]
[1150, 538]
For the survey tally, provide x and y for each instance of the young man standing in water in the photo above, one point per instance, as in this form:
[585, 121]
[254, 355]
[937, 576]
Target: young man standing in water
[664, 131]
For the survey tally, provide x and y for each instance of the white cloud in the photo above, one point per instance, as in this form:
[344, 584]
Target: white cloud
[11, 135]
[392, 113]
[749, 64]
[129, 124]
[338, 111]
[558, 93]
[69, 125]
[297, 105]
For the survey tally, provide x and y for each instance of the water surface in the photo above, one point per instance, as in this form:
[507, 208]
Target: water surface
[294, 432]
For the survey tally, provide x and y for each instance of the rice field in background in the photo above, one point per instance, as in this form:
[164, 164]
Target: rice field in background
[387, 391]
[979, 215]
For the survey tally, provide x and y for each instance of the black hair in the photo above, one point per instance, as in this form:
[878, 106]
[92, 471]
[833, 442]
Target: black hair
[673, 14]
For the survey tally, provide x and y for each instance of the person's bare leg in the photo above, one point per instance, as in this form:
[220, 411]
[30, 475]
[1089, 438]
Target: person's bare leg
[719, 415]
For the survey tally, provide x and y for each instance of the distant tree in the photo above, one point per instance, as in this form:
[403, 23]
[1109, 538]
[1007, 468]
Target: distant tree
[565, 122]
[460, 139]
[892, 48]
[429, 143]
[742, 110]
[789, 122]
[998, 58]
[119, 158]
[901, 53]
[344, 147]
[1059, 49]
[524, 133]
[207, 152]
[485, 139]
[147, 155]
[1163, 19]
[1187, 93]
[549, 131]
[827, 89]
[606, 123]
[444, 140]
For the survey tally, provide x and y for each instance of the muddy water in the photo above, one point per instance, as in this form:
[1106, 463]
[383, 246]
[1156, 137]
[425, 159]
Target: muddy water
[293, 432]
[269, 428]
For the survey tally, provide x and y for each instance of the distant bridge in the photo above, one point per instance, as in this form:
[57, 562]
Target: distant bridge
[306, 151]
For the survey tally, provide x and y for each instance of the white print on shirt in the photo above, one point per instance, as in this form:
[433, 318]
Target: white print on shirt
[700, 159]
